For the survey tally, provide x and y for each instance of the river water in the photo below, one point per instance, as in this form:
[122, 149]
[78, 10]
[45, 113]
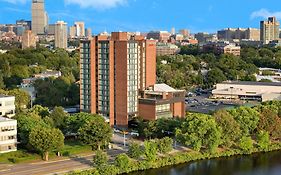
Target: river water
[257, 164]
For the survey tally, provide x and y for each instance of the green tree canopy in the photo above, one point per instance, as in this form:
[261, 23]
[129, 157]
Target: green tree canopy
[95, 132]
[46, 140]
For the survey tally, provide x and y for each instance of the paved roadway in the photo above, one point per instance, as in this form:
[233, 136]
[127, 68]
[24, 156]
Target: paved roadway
[52, 167]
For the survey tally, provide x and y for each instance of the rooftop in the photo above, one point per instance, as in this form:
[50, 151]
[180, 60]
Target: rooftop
[3, 119]
[252, 83]
[2, 96]
[164, 88]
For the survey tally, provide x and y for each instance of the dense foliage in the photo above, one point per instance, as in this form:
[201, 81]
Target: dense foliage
[18, 64]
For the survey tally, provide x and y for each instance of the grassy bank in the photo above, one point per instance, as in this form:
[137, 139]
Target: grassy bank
[70, 148]
[168, 160]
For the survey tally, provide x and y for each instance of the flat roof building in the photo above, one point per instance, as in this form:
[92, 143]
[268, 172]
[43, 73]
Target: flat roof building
[7, 106]
[113, 70]
[28, 39]
[269, 30]
[245, 90]
[161, 101]
[61, 35]
[8, 135]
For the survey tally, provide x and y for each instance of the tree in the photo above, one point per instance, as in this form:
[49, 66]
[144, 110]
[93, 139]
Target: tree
[45, 140]
[231, 131]
[122, 161]
[25, 124]
[135, 150]
[100, 158]
[246, 144]
[95, 133]
[40, 110]
[59, 117]
[165, 145]
[76, 121]
[215, 76]
[199, 130]
[150, 150]
[269, 120]
[263, 140]
[22, 98]
[247, 118]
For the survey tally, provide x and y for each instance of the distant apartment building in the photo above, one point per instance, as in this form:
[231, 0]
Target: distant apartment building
[269, 30]
[26, 24]
[205, 37]
[39, 17]
[72, 31]
[80, 29]
[161, 101]
[222, 48]
[184, 32]
[28, 39]
[166, 49]
[160, 36]
[8, 135]
[232, 34]
[7, 106]
[61, 35]
[51, 29]
[88, 33]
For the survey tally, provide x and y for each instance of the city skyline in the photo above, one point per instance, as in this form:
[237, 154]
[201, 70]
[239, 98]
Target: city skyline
[196, 16]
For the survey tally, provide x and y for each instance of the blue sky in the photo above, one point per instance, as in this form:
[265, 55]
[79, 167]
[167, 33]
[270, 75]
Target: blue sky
[146, 15]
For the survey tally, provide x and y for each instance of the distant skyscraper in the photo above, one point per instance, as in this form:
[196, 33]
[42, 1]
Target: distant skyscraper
[51, 29]
[173, 31]
[89, 33]
[39, 17]
[184, 32]
[80, 29]
[72, 31]
[61, 35]
[269, 30]
[28, 39]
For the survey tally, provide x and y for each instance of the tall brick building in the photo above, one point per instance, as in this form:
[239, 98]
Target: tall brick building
[114, 70]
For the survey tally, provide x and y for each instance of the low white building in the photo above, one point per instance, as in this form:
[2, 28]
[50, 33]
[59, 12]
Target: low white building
[7, 106]
[244, 90]
[8, 135]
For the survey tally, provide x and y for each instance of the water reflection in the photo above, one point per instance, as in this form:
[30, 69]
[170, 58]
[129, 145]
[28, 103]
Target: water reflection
[258, 164]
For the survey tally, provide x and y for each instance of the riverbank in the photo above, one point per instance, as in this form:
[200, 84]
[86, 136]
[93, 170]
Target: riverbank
[169, 160]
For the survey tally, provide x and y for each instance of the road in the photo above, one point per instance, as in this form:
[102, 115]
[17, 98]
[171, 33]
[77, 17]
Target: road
[53, 167]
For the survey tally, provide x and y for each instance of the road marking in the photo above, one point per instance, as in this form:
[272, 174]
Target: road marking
[4, 170]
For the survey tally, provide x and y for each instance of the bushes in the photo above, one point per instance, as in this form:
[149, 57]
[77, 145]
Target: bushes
[246, 144]
[135, 150]
[150, 150]
[100, 159]
[165, 145]
[263, 140]
[123, 162]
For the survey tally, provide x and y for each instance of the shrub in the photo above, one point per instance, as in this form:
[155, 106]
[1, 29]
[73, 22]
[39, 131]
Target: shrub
[150, 150]
[122, 161]
[135, 151]
[165, 145]
[246, 144]
[100, 158]
[263, 140]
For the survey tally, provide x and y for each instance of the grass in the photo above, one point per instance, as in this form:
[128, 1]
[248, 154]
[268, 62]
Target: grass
[19, 156]
[71, 148]
[74, 147]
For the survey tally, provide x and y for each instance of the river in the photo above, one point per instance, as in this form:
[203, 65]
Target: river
[257, 164]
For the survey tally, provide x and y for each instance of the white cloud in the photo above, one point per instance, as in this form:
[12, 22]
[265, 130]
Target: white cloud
[98, 4]
[15, 1]
[264, 13]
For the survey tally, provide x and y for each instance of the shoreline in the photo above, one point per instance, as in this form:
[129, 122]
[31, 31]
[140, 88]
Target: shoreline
[171, 160]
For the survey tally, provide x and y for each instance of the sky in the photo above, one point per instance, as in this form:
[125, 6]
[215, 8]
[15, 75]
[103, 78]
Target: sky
[145, 15]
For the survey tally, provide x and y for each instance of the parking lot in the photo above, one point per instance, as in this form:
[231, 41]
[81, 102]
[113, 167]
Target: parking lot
[202, 104]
